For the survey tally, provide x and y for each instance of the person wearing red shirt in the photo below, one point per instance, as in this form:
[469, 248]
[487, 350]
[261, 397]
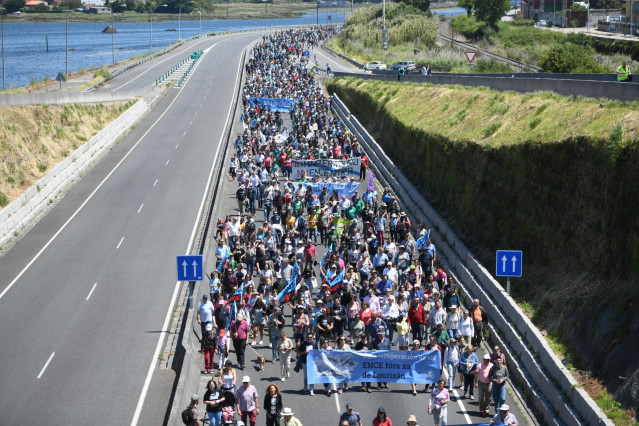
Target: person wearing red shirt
[382, 419]
[362, 167]
[417, 319]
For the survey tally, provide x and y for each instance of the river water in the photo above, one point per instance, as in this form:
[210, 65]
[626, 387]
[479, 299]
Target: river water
[26, 57]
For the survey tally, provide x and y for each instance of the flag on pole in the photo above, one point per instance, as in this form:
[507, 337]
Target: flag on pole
[223, 263]
[371, 178]
[422, 242]
[288, 292]
[326, 257]
[237, 296]
[231, 317]
[336, 283]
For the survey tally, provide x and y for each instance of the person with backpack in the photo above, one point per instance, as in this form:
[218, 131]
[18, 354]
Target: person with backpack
[209, 342]
[191, 415]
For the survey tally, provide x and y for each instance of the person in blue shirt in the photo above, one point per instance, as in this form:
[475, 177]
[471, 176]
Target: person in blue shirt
[385, 283]
[221, 251]
[468, 363]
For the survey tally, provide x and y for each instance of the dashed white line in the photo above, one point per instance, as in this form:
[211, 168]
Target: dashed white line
[140, 209]
[200, 105]
[196, 113]
[191, 122]
[46, 365]
[155, 183]
[120, 243]
[91, 292]
[167, 162]
[176, 145]
[184, 134]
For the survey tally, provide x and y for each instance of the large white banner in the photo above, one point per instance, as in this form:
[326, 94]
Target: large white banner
[327, 168]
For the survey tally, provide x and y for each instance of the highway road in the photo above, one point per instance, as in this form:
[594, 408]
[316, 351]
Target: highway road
[86, 293]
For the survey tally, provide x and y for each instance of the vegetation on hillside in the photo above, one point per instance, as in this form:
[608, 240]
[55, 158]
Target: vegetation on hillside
[554, 176]
[36, 138]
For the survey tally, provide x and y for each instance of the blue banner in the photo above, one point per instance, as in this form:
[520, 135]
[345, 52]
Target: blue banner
[422, 242]
[237, 296]
[223, 263]
[274, 104]
[336, 283]
[343, 188]
[378, 366]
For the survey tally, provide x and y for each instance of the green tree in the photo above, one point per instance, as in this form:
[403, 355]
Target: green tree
[70, 4]
[491, 11]
[422, 5]
[468, 5]
[14, 5]
[42, 7]
[605, 4]
[571, 58]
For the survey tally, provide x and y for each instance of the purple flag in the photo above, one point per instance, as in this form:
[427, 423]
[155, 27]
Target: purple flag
[371, 178]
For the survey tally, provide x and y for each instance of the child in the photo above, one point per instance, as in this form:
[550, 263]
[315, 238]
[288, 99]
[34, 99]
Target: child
[208, 346]
[222, 348]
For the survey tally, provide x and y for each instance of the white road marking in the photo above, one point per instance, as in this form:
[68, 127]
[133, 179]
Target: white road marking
[196, 113]
[176, 145]
[140, 209]
[155, 183]
[149, 374]
[330, 59]
[191, 122]
[32, 261]
[46, 365]
[336, 400]
[184, 134]
[91, 292]
[463, 408]
[120, 243]
[160, 62]
[167, 162]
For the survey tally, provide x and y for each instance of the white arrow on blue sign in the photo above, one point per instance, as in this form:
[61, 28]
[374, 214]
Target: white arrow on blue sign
[509, 263]
[190, 268]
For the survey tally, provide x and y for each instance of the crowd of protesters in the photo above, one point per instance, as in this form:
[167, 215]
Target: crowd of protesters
[392, 295]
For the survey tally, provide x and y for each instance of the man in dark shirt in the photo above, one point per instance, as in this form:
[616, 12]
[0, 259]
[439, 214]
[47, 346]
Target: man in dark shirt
[339, 317]
[362, 346]
[303, 349]
[382, 344]
[229, 283]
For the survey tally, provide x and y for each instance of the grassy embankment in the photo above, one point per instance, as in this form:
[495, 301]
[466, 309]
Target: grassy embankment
[553, 176]
[33, 139]
[518, 40]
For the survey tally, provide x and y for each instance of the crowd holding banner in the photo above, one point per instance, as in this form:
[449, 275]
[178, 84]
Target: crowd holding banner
[375, 308]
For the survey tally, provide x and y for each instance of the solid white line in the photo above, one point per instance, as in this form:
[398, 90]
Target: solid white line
[12, 283]
[140, 209]
[120, 243]
[149, 375]
[155, 183]
[167, 162]
[336, 400]
[91, 292]
[330, 59]
[463, 408]
[46, 365]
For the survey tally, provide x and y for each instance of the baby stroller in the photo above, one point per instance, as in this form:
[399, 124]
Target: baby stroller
[228, 410]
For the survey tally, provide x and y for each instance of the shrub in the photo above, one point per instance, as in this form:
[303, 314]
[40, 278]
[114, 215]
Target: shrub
[576, 7]
[470, 28]
[492, 66]
[522, 22]
[569, 57]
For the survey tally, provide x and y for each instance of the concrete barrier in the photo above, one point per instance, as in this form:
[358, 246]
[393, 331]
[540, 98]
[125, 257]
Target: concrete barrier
[549, 385]
[56, 98]
[566, 87]
[21, 212]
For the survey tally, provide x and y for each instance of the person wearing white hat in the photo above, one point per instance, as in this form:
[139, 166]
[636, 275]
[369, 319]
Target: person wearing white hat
[288, 419]
[503, 417]
[246, 401]
[483, 383]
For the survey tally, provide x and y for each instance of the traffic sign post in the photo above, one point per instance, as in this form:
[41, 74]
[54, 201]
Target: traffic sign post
[190, 268]
[508, 264]
[384, 39]
[470, 56]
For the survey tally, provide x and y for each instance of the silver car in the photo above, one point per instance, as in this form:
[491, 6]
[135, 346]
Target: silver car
[375, 65]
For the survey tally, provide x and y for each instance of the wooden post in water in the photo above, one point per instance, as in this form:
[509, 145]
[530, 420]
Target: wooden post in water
[47, 36]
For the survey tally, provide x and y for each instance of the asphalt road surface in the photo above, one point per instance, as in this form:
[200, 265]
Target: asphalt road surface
[86, 292]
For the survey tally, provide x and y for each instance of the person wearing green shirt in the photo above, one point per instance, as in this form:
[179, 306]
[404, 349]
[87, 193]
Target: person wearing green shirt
[441, 334]
[297, 205]
[623, 72]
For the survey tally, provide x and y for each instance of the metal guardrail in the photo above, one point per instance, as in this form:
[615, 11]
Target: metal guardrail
[517, 64]
[141, 61]
[190, 68]
[171, 71]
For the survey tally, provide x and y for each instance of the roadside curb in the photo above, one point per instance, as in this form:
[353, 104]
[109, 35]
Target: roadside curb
[24, 211]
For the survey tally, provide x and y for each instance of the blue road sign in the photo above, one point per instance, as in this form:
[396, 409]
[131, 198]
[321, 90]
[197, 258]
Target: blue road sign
[190, 268]
[307, 53]
[384, 38]
[509, 263]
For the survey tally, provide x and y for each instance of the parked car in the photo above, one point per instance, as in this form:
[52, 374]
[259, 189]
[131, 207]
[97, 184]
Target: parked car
[407, 65]
[541, 23]
[375, 65]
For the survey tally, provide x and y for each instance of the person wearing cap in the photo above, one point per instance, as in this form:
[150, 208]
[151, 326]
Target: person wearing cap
[483, 384]
[451, 361]
[205, 315]
[438, 404]
[382, 419]
[498, 375]
[288, 419]
[239, 331]
[246, 401]
[222, 347]
[411, 421]
[194, 413]
[504, 417]
[209, 341]
[352, 417]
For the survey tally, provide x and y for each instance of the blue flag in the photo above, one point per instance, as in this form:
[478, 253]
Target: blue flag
[326, 257]
[288, 292]
[296, 271]
[231, 316]
[237, 296]
[422, 242]
[336, 283]
[241, 117]
[223, 263]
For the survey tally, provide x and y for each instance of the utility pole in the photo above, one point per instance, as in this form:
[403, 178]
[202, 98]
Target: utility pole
[67, 44]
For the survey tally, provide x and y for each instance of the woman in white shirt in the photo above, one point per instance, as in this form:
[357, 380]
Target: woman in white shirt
[390, 313]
